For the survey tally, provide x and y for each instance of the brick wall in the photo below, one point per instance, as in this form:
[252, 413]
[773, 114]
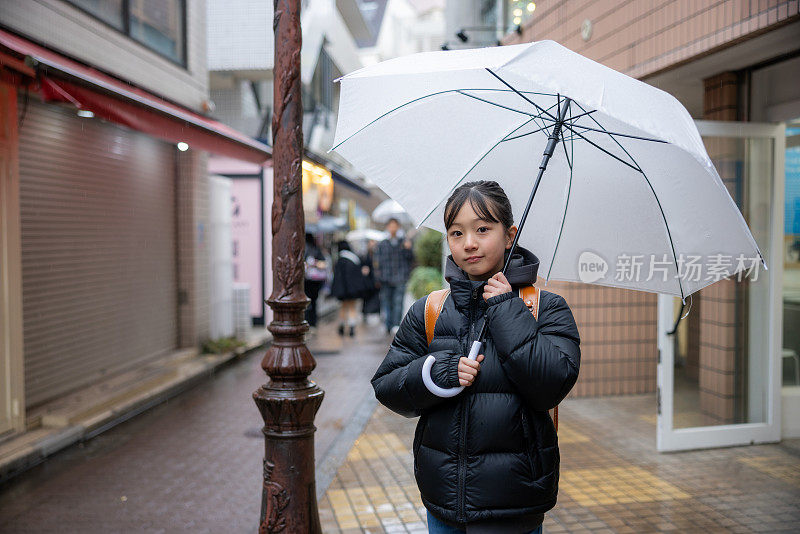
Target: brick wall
[619, 349]
[720, 325]
[640, 37]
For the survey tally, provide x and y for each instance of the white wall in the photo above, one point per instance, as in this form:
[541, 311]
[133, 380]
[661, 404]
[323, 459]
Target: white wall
[220, 257]
[66, 29]
[407, 30]
[240, 35]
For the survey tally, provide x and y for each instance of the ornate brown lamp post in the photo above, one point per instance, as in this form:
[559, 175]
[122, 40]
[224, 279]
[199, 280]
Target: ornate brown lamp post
[288, 401]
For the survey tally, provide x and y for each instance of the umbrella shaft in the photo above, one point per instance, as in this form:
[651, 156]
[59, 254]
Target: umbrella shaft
[552, 141]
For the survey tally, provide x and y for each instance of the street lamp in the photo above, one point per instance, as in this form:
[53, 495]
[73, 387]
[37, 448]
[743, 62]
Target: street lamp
[289, 401]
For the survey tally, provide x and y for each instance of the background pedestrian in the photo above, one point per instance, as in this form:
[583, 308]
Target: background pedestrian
[393, 259]
[349, 284]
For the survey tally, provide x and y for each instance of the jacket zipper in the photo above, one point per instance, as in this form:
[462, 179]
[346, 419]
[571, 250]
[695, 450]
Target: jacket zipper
[462, 438]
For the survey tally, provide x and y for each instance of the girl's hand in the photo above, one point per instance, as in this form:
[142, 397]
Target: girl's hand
[468, 370]
[496, 285]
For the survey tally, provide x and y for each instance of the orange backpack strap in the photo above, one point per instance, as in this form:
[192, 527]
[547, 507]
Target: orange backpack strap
[433, 307]
[530, 295]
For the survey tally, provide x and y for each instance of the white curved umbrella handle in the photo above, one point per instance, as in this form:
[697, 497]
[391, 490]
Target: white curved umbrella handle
[446, 392]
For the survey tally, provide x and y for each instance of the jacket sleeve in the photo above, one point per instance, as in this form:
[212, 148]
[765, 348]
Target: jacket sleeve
[377, 259]
[540, 357]
[398, 381]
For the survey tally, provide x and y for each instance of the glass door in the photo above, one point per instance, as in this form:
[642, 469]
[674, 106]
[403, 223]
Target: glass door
[719, 367]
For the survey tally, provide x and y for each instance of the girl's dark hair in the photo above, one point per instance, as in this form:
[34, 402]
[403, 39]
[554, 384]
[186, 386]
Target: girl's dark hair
[342, 245]
[487, 199]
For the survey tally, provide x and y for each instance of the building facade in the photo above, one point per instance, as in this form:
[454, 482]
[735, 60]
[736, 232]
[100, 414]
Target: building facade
[105, 203]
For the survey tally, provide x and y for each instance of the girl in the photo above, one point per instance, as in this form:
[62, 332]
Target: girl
[487, 459]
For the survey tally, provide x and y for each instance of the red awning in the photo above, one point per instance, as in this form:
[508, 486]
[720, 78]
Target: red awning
[64, 80]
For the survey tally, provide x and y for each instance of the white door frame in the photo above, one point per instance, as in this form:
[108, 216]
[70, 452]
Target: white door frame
[669, 438]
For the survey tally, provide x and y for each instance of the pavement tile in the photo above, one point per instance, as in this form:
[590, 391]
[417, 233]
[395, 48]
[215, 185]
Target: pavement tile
[611, 480]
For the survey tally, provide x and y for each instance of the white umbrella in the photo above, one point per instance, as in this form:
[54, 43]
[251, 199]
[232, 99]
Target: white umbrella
[366, 234]
[629, 174]
[390, 209]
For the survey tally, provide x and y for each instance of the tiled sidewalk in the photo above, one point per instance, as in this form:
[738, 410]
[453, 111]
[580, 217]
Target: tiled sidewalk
[612, 479]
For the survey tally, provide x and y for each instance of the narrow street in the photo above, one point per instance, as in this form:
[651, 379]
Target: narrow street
[194, 463]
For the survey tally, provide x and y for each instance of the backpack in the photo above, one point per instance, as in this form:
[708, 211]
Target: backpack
[435, 302]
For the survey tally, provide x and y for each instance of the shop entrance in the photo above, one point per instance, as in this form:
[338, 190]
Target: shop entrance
[719, 380]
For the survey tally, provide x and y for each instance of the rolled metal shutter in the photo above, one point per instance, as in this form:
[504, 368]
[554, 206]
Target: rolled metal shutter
[98, 249]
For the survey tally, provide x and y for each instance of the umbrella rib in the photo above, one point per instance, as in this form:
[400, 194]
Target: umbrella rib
[564, 144]
[613, 138]
[544, 124]
[473, 167]
[529, 114]
[603, 149]
[566, 204]
[422, 98]
[581, 114]
[669, 234]
[520, 94]
[652, 190]
[523, 135]
[544, 127]
[619, 134]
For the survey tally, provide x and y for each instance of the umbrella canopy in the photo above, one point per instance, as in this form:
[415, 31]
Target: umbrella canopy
[366, 234]
[390, 209]
[629, 178]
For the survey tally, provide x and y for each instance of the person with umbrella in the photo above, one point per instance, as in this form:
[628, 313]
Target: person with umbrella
[629, 175]
[392, 265]
[489, 461]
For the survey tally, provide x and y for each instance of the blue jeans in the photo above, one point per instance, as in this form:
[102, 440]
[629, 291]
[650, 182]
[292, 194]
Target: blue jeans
[437, 527]
[392, 303]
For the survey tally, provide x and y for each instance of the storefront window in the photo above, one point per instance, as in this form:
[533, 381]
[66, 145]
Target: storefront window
[518, 12]
[160, 25]
[109, 11]
[791, 254]
[317, 189]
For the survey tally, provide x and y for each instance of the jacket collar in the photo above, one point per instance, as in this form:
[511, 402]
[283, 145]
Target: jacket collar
[522, 272]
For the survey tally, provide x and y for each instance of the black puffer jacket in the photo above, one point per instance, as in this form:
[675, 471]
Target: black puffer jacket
[491, 452]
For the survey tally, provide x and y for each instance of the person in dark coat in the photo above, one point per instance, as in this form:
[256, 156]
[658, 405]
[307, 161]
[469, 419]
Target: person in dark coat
[349, 284]
[372, 299]
[393, 260]
[487, 459]
[315, 276]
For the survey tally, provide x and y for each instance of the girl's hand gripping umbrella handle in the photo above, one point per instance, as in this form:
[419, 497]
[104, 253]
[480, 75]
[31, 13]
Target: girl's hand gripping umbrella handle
[446, 392]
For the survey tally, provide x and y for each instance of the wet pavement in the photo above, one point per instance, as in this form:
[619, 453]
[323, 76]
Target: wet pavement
[194, 462]
[612, 478]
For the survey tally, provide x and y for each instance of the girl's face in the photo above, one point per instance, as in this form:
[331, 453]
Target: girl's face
[478, 245]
